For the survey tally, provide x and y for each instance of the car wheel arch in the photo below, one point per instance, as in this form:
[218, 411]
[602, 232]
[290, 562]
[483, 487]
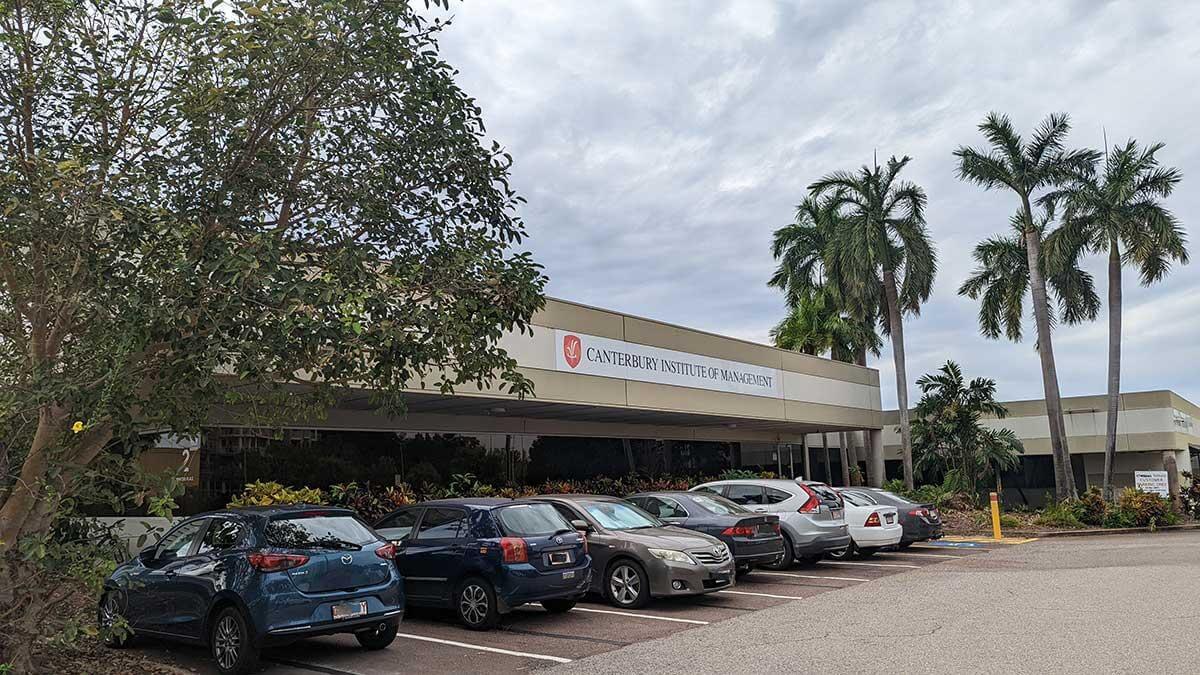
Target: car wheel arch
[223, 600]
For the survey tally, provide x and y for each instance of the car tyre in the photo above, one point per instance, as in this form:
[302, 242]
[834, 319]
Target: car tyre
[626, 584]
[741, 572]
[905, 545]
[107, 612]
[784, 561]
[867, 552]
[842, 553]
[231, 643]
[378, 638]
[475, 604]
[558, 606]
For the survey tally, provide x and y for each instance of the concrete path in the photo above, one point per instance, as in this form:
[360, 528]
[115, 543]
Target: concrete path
[1113, 604]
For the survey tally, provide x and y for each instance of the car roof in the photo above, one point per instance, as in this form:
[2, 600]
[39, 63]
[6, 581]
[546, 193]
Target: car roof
[273, 510]
[472, 502]
[765, 482]
[673, 493]
[576, 498]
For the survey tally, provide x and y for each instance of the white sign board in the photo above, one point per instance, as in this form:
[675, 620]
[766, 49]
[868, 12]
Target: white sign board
[591, 355]
[1152, 481]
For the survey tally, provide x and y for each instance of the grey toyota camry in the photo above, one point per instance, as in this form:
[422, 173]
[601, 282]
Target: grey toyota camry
[636, 557]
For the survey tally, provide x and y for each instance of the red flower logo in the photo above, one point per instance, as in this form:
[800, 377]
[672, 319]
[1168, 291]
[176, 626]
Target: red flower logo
[572, 349]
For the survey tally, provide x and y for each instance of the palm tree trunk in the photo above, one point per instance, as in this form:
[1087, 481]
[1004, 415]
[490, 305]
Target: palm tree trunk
[828, 471]
[1064, 482]
[896, 327]
[844, 454]
[1114, 363]
[807, 459]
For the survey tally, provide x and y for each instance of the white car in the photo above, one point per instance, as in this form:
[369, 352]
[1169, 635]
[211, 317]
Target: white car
[872, 527]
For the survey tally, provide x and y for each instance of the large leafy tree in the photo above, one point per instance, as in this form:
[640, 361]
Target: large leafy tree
[1118, 211]
[948, 434]
[884, 258]
[1029, 169]
[250, 204]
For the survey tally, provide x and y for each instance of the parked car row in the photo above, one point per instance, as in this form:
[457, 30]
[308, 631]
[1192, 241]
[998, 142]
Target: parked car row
[242, 579]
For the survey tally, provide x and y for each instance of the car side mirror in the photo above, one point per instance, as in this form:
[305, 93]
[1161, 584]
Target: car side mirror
[581, 525]
[147, 554]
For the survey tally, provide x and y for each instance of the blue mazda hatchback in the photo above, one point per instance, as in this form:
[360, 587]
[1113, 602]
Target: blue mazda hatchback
[484, 557]
[242, 579]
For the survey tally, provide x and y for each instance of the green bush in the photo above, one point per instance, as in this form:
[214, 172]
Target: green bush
[1009, 522]
[1063, 514]
[896, 486]
[1092, 506]
[1191, 495]
[1146, 507]
[261, 493]
[1117, 517]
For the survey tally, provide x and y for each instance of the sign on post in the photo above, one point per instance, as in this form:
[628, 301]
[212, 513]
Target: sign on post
[1152, 481]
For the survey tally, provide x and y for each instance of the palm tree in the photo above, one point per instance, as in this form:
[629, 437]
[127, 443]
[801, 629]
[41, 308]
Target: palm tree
[884, 257]
[999, 450]
[1026, 168]
[1119, 213]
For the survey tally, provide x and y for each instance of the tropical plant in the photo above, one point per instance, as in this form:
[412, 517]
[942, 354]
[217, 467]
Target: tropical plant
[817, 325]
[1118, 212]
[1027, 168]
[269, 493]
[884, 258]
[949, 439]
[247, 205]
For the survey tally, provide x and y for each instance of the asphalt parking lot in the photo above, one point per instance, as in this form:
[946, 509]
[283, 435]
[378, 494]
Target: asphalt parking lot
[529, 638]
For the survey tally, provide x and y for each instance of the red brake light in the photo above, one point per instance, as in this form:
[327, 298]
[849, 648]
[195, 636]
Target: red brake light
[514, 550]
[813, 504]
[387, 551]
[872, 521]
[275, 562]
[739, 531]
[922, 512]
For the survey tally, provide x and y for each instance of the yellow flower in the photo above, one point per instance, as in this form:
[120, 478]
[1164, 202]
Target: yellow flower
[77, 427]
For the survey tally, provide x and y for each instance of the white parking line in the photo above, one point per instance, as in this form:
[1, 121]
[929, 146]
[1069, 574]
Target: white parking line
[862, 564]
[639, 616]
[807, 576]
[923, 555]
[494, 650]
[765, 595]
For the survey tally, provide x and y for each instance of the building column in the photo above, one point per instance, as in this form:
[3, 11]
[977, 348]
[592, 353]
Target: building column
[807, 459]
[875, 470]
[1171, 465]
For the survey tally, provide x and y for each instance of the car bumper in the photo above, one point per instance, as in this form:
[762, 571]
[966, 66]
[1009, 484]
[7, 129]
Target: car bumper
[671, 578]
[819, 544]
[369, 622]
[749, 552]
[922, 531]
[519, 587]
[877, 537]
[285, 611]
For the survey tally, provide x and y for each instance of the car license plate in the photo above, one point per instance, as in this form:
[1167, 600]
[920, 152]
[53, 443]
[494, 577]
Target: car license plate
[569, 575]
[835, 513]
[560, 558]
[349, 610]
[891, 518]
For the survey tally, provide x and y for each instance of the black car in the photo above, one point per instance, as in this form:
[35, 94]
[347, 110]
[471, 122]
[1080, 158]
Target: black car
[921, 522]
[754, 538]
[483, 557]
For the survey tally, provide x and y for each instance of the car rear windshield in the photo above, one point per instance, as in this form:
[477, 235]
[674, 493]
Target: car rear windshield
[824, 492]
[319, 531]
[619, 515]
[857, 499]
[532, 520]
[719, 505]
[896, 498]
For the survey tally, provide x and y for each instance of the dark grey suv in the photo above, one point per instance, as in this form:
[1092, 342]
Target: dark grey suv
[636, 557]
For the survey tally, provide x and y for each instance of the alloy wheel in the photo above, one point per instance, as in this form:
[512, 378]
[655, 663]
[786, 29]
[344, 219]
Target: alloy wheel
[473, 604]
[227, 642]
[110, 609]
[625, 584]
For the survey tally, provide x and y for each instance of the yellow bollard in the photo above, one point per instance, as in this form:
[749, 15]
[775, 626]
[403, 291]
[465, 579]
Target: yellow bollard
[996, 516]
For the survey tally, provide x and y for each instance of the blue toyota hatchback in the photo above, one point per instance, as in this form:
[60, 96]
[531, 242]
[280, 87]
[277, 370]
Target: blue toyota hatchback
[484, 557]
[242, 579]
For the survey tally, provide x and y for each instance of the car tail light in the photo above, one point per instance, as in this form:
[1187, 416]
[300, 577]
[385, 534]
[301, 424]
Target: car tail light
[813, 504]
[387, 551]
[922, 512]
[739, 531]
[514, 549]
[275, 562]
[872, 521]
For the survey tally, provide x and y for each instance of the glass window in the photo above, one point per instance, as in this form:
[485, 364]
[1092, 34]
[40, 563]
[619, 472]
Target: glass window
[442, 524]
[222, 534]
[824, 492]
[745, 494]
[532, 520]
[567, 512]
[857, 499]
[319, 531]
[399, 526]
[619, 515]
[714, 489]
[179, 541]
[776, 496]
[896, 499]
[718, 505]
[663, 507]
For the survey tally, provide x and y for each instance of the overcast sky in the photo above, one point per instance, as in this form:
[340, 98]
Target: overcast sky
[661, 143]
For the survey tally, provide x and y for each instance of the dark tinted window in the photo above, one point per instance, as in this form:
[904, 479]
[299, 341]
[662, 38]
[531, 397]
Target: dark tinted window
[857, 499]
[568, 513]
[714, 489]
[661, 507]
[179, 541]
[619, 515]
[532, 520]
[442, 524]
[719, 505]
[399, 525]
[318, 531]
[222, 534]
[775, 496]
[745, 494]
[824, 492]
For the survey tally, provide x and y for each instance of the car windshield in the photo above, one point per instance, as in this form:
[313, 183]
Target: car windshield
[619, 515]
[319, 531]
[532, 520]
[719, 505]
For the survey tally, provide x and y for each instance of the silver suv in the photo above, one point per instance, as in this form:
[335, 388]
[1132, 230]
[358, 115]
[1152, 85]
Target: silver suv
[810, 514]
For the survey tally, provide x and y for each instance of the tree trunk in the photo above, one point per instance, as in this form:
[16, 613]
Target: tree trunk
[1064, 481]
[1114, 364]
[844, 455]
[896, 327]
[828, 469]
